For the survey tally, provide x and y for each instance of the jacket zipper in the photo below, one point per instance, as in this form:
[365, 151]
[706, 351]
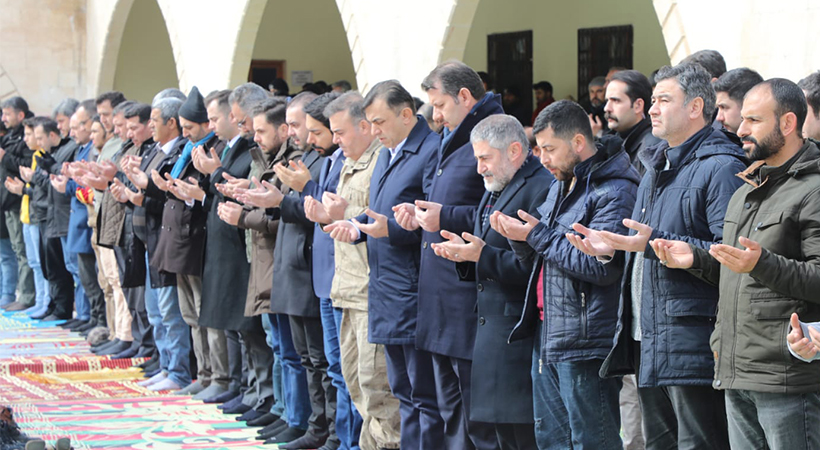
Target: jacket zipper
[543, 326]
[583, 315]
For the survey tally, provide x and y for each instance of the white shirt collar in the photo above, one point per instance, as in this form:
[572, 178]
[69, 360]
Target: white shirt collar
[233, 141]
[169, 145]
[395, 151]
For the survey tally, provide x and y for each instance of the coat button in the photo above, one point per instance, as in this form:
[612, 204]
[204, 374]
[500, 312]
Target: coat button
[747, 205]
[480, 287]
[439, 172]
[717, 383]
[173, 206]
[481, 321]
[424, 244]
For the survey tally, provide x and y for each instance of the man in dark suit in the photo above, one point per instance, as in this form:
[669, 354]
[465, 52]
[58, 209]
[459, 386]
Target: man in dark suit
[514, 180]
[447, 319]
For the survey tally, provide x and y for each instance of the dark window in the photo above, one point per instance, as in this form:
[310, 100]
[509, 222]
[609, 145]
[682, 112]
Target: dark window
[263, 72]
[509, 64]
[598, 50]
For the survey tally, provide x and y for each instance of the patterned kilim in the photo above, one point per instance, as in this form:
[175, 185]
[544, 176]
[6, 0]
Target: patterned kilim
[148, 423]
[58, 389]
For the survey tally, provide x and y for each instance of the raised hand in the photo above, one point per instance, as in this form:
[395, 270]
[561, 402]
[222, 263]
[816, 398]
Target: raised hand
[335, 205]
[466, 247]
[591, 243]
[205, 163]
[377, 229]
[635, 243]
[58, 182]
[737, 260]
[405, 215]
[295, 176]
[428, 215]
[342, 231]
[512, 228]
[229, 212]
[673, 254]
[315, 211]
[805, 346]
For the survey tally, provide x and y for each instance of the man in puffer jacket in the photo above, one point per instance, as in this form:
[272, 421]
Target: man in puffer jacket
[574, 295]
[667, 316]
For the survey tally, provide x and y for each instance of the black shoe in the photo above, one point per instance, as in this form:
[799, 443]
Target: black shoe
[250, 415]
[263, 420]
[67, 324]
[74, 326]
[273, 432]
[289, 435]
[114, 349]
[105, 346]
[222, 398]
[307, 441]
[128, 353]
[144, 352]
[239, 409]
[52, 317]
[90, 325]
[232, 403]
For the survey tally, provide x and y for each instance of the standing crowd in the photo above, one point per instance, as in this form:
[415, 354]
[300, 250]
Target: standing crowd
[343, 274]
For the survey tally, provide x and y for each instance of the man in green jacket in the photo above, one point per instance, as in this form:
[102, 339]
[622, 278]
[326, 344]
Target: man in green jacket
[768, 267]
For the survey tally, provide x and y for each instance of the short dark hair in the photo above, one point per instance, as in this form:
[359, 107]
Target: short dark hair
[711, 60]
[545, 86]
[90, 106]
[789, 99]
[97, 119]
[123, 106]
[114, 97]
[301, 99]
[16, 103]
[453, 76]
[485, 77]
[393, 94]
[49, 125]
[222, 100]
[811, 86]
[273, 109]
[694, 81]
[737, 83]
[140, 110]
[566, 118]
[33, 122]
[316, 107]
[637, 87]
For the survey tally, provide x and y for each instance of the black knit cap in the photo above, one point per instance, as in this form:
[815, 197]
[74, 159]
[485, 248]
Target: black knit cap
[194, 107]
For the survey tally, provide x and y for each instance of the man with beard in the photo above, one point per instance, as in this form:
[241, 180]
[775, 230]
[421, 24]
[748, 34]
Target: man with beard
[13, 153]
[181, 242]
[292, 292]
[666, 316]
[729, 91]
[811, 88]
[767, 270]
[628, 98]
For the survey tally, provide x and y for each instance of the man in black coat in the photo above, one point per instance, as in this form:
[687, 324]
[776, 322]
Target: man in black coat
[447, 318]
[14, 153]
[515, 180]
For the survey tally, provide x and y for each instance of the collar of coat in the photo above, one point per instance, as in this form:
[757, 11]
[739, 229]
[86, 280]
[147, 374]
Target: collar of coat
[366, 157]
[803, 162]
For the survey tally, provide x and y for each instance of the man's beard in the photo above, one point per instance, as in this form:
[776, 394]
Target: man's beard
[326, 151]
[767, 147]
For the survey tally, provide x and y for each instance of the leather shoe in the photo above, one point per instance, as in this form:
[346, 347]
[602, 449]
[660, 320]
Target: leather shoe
[115, 348]
[288, 436]
[239, 409]
[221, 398]
[307, 441]
[128, 353]
[263, 420]
[17, 306]
[275, 428]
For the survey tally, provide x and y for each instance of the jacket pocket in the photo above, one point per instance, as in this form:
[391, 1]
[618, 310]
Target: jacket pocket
[769, 220]
[689, 307]
[773, 306]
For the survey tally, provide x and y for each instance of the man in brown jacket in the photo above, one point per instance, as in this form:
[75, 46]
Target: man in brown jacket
[767, 269]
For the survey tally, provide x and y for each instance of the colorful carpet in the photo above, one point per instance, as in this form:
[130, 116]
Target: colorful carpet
[57, 388]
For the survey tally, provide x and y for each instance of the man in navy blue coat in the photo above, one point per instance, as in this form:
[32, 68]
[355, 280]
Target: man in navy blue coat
[447, 318]
[393, 256]
[514, 180]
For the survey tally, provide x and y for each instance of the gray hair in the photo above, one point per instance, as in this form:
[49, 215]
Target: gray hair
[168, 108]
[499, 131]
[90, 107]
[344, 84]
[695, 82]
[351, 102]
[67, 107]
[169, 93]
[597, 81]
[123, 106]
[247, 96]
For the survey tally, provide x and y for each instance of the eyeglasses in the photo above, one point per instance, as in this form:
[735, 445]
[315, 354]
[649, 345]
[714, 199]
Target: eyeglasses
[241, 123]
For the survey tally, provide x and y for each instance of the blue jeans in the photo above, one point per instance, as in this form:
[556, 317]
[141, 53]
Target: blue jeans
[278, 407]
[294, 377]
[170, 330]
[348, 420]
[774, 421]
[81, 303]
[573, 406]
[8, 267]
[31, 236]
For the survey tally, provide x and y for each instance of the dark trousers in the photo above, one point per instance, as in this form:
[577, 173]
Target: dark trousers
[141, 328]
[259, 357]
[86, 266]
[410, 374]
[452, 377]
[308, 339]
[236, 370]
[60, 282]
[684, 417]
[773, 421]
[515, 436]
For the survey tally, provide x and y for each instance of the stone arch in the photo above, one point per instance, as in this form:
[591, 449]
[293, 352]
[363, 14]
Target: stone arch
[246, 38]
